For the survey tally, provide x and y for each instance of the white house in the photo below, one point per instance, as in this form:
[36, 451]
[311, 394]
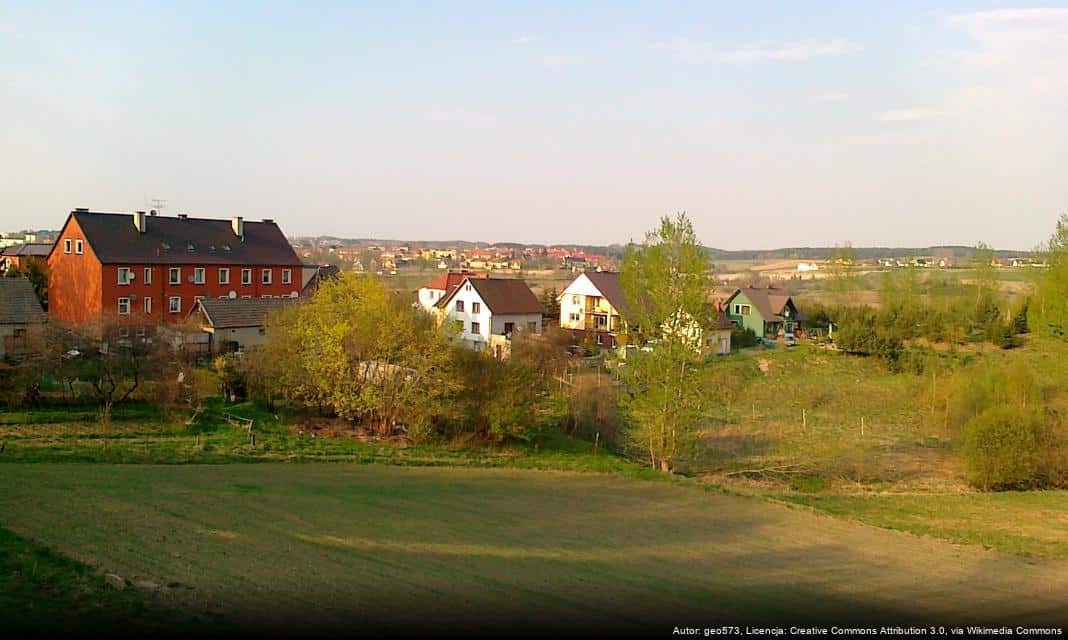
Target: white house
[592, 302]
[436, 291]
[489, 311]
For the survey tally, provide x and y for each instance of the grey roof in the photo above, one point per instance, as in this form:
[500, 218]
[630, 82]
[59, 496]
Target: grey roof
[18, 304]
[36, 249]
[244, 312]
[171, 240]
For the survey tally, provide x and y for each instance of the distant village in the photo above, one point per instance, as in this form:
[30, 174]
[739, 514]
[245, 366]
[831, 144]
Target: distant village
[143, 270]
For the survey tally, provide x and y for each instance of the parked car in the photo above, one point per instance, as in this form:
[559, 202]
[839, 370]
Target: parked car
[767, 344]
[790, 340]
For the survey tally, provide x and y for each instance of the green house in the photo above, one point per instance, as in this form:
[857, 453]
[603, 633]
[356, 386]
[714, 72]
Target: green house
[769, 312]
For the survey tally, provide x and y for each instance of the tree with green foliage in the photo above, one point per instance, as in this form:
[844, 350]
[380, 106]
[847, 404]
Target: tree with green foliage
[664, 281]
[364, 353]
[1048, 308]
[550, 301]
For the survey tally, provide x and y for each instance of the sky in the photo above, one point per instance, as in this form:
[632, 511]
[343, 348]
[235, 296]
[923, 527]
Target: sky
[904, 123]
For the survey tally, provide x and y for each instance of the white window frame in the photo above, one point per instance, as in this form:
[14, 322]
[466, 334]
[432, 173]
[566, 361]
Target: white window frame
[246, 276]
[79, 247]
[200, 275]
[174, 275]
[459, 306]
[67, 246]
[148, 275]
[476, 328]
[124, 302]
[246, 297]
[287, 276]
[266, 276]
[148, 305]
[128, 272]
[224, 275]
[476, 307]
[172, 307]
[267, 297]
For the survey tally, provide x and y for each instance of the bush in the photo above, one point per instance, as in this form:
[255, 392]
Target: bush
[1004, 449]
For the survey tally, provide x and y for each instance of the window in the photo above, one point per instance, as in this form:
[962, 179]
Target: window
[460, 305]
[574, 300]
[20, 333]
[124, 332]
[176, 275]
[148, 306]
[745, 309]
[224, 276]
[125, 276]
[148, 275]
[600, 322]
[476, 307]
[246, 297]
[66, 246]
[509, 327]
[532, 326]
[246, 276]
[266, 297]
[266, 276]
[78, 246]
[287, 276]
[141, 331]
[124, 306]
[176, 304]
[263, 331]
[199, 275]
[476, 327]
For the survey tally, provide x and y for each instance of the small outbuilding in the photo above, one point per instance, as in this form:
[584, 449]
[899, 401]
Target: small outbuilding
[235, 324]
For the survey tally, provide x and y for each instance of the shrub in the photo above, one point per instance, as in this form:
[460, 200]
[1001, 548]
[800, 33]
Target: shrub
[1003, 449]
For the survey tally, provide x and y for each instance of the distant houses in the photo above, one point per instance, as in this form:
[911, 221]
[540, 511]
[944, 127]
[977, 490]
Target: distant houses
[21, 255]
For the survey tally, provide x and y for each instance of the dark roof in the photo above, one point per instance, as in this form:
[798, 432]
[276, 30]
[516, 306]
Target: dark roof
[502, 295]
[36, 249]
[18, 304]
[172, 240]
[243, 312]
[769, 302]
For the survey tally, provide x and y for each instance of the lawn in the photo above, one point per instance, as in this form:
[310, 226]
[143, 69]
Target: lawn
[284, 547]
[1033, 523]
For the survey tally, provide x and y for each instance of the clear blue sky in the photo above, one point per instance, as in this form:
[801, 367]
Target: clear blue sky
[771, 123]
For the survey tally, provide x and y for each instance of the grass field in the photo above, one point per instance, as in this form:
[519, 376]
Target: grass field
[312, 547]
[1032, 523]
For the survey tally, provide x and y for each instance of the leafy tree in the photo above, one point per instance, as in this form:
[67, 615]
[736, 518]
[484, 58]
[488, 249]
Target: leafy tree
[664, 282]
[550, 301]
[362, 352]
[1048, 309]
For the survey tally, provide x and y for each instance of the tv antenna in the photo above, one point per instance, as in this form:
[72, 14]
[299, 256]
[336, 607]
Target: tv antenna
[159, 205]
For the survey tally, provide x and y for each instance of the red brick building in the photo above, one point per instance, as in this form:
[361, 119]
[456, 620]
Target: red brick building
[153, 268]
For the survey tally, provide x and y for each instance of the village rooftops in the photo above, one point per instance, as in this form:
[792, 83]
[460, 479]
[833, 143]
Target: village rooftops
[139, 238]
[448, 282]
[18, 303]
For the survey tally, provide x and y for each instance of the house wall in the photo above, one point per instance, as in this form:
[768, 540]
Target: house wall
[521, 322]
[573, 304]
[753, 320]
[246, 337]
[429, 297]
[75, 293]
[161, 290]
[468, 295]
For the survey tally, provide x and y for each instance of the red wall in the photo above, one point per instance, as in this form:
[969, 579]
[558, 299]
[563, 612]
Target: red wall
[74, 293]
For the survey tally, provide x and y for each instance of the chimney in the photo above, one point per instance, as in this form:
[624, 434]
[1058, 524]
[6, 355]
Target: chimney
[238, 225]
[182, 216]
[268, 220]
[139, 221]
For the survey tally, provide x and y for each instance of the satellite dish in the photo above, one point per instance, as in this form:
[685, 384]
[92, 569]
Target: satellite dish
[294, 294]
[189, 278]
[232, 295]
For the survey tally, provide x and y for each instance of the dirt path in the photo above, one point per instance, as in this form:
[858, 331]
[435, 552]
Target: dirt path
[335, 545]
